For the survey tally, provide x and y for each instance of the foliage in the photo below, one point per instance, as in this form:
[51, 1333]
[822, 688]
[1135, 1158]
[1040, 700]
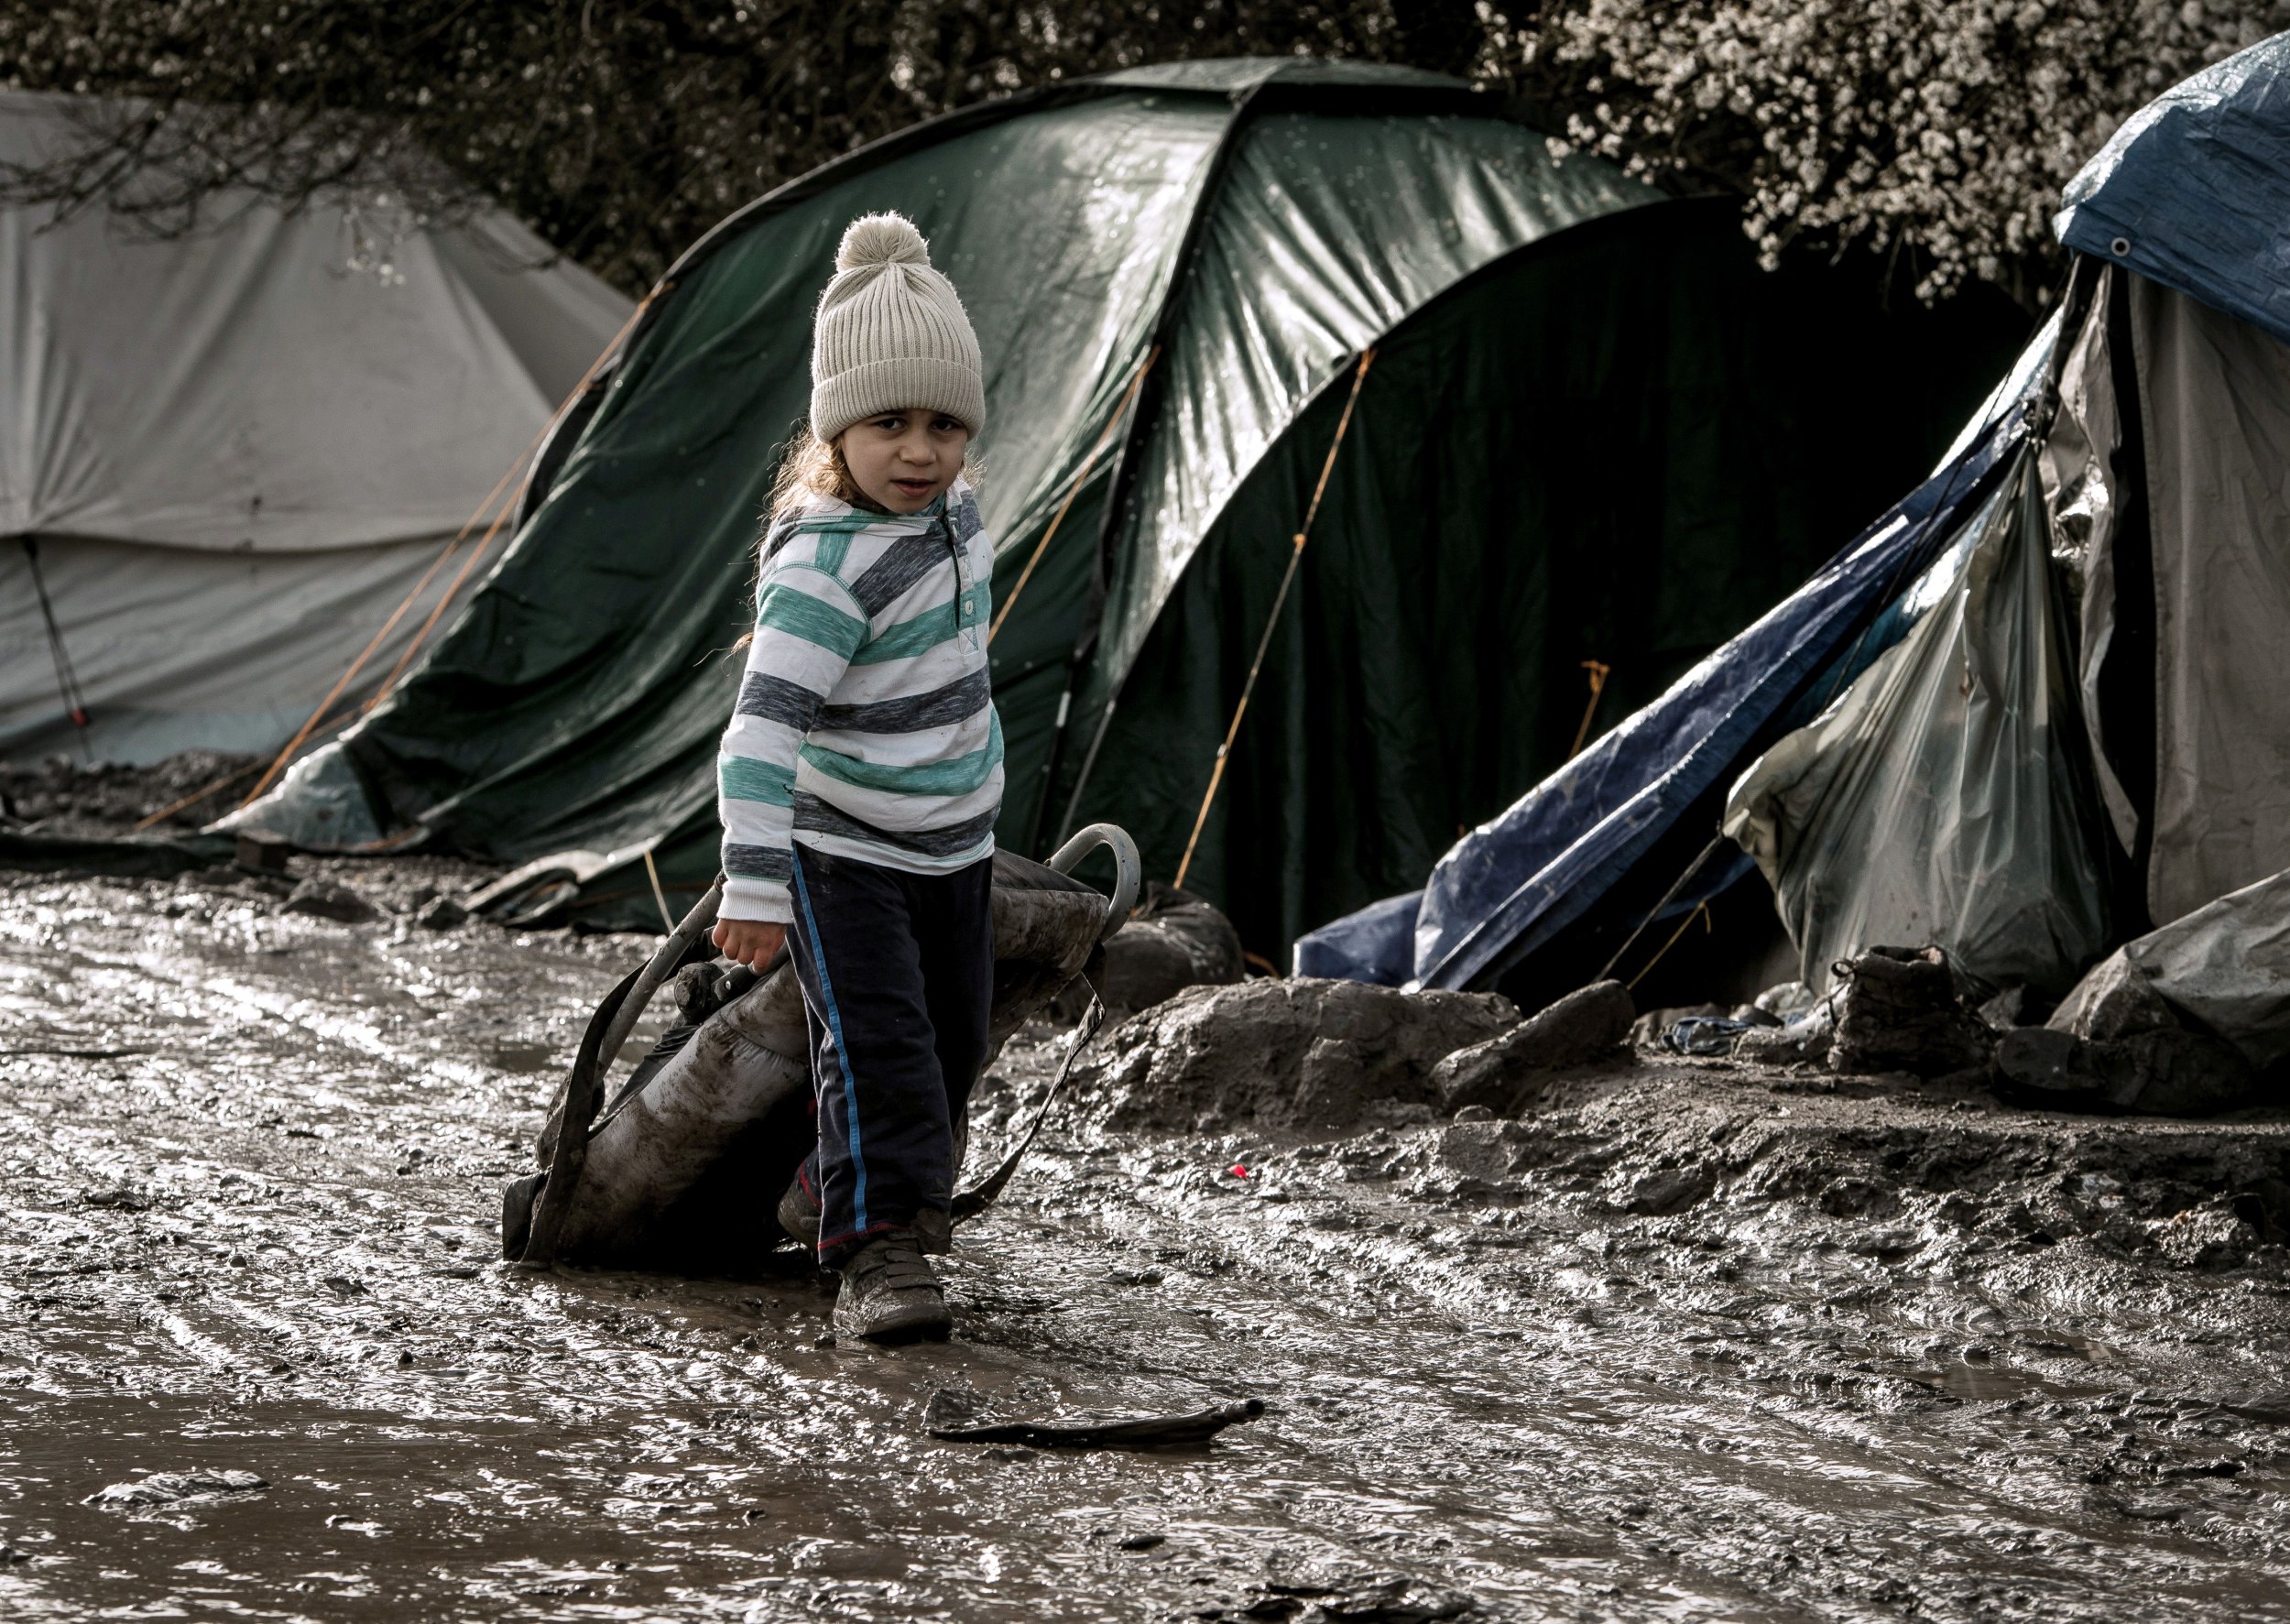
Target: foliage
[620, 129]
[1939, 132]
[1935, 132]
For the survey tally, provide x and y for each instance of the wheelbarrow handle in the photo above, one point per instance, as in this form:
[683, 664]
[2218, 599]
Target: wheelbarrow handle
[1127, 871]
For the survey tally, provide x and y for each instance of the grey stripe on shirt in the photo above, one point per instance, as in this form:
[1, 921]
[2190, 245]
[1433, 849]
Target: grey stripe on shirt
[814, 816]
[910, 713]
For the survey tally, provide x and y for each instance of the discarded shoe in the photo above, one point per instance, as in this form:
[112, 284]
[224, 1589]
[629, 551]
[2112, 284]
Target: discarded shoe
[799, 1214]
[889, 1293]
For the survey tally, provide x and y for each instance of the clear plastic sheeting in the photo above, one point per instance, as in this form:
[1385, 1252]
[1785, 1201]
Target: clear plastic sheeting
[1940, 799]
[2226, 967]
[2216, 399]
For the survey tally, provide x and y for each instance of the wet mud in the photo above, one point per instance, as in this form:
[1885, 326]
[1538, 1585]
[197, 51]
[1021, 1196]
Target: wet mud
[1682, 1339]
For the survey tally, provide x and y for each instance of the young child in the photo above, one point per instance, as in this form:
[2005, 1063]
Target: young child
[862, 772]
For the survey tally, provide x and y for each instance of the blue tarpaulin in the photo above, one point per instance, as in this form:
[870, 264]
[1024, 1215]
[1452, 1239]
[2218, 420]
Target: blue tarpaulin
[2194, 191]
[1510, 886]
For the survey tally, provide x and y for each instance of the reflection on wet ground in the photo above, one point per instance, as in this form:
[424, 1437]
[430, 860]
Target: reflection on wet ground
[251, 1175]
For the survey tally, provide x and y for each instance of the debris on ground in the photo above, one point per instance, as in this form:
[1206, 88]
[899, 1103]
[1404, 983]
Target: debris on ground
[1291, 1053]
[2164, 1070]
[1588, 1025]
[326, 898]
[954, 1415]
[165, 1488]
[1898, 1012]
[441, 914]
[1707, 1034]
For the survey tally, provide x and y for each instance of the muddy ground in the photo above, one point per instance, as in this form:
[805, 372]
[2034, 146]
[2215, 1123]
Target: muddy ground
[1685, 1341]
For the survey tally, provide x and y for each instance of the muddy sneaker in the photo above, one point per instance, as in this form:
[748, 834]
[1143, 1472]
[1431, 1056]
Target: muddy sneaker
[889, 1293]
[799, 1214]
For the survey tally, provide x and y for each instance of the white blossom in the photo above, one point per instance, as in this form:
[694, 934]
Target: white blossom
[1939, 130]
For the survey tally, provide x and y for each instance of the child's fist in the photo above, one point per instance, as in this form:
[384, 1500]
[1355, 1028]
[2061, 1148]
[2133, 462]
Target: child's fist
[749, 941]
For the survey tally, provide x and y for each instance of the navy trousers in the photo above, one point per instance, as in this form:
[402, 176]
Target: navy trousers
[898, 976]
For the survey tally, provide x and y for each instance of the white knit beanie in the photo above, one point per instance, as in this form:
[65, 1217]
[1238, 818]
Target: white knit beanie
[891, 332]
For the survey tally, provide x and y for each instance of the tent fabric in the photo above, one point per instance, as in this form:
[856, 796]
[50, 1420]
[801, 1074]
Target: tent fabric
[2215, 400]
[1493, 522]
[2193, 191]
[2223, 966]
[1941, 800]
[2162, 501]
[1644, 797]
[184, 648]
[2084, 497]
[260, 446]
[1213, 245]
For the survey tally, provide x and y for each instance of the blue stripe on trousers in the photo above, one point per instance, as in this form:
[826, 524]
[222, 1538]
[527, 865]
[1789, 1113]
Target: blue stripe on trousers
[842, 1050]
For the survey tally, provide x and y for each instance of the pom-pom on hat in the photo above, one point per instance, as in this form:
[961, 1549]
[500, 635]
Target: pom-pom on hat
[891, 333]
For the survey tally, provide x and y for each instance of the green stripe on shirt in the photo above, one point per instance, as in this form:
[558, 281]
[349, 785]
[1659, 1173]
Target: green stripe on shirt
[745, 778]
[789, 608]
[957, 777]
[909, 637]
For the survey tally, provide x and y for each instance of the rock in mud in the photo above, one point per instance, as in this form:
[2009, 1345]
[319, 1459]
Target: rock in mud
[2212, 1236]
[164, 1488]
[441, 914]
[1899, 1012]
[326, 898]
[1287, 1053]
[1173, 941]
[1590, 1024]
[1805, 1039]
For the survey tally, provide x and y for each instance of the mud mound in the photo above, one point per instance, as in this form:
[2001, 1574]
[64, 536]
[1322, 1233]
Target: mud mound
[1883, 1171]
[1299, 1054]
[59, 796]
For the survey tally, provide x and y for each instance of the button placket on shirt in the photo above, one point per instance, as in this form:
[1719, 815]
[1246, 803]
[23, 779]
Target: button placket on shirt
[967, 614]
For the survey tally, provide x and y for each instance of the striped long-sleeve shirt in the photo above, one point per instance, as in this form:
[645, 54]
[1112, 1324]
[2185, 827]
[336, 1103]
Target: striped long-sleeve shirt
[865, 725]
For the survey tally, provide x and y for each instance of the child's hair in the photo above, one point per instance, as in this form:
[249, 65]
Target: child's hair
[811, 467]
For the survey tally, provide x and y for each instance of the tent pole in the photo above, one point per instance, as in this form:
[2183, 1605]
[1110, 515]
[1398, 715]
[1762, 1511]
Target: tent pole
[1272, 621]
[1692, 870]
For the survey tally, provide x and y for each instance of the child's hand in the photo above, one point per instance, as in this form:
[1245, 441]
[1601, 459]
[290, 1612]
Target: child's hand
[749, 941]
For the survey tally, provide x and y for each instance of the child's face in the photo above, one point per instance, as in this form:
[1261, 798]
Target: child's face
[904, 460]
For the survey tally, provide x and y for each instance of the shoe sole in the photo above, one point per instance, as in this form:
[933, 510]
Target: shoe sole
[904, 1328]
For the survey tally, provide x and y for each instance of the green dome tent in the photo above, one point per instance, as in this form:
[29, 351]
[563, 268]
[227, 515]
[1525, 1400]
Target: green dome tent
[1592, 431]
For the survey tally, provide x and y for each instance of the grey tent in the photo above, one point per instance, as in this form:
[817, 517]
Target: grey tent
[226, 458]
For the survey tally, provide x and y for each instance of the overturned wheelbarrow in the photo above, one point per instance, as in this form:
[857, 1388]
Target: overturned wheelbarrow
[682, 1169]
